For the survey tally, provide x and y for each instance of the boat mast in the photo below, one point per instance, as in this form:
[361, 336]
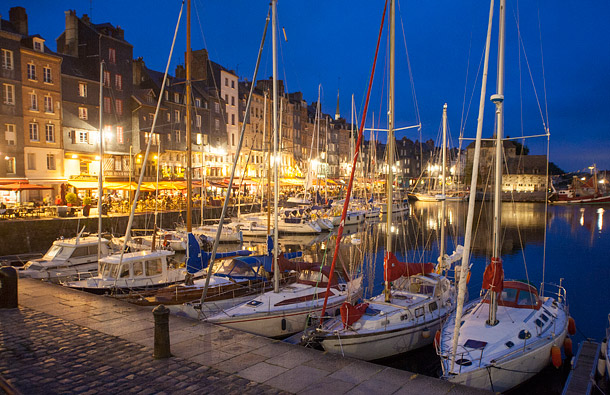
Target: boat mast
[390, 179]
[100, 175]
[441, 256]
[498, 100]
[276, 278]
[472, 196]
[264, 148]
[187, 103]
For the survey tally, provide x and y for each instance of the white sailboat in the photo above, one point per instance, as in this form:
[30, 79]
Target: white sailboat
[508, 335]
[415, 300]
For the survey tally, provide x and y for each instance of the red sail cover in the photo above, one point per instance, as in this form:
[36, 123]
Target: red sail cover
[351, 314]
[493, 278]
[394, 269]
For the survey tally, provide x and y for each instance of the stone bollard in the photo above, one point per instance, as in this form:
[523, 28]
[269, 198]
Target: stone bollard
[161, 348]
[8, 287]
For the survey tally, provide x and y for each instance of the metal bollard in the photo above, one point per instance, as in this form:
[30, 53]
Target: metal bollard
[8, 287]
[161, 347]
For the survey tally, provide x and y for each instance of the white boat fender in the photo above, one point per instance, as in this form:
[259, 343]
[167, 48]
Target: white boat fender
[425, 333]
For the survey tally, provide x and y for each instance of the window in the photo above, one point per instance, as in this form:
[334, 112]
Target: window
[31, 71]
[83, 136]
[118, 164]
[176, 97]
[9, 134]
[119, 107]
[82, 89]
[177, 134]
[198, 138]
[107, 105]
[83, 113]
[107, 79]
[232, 119]
[198, 120]
[31, 161]
[38, 45]
[232, 100]
[46, 75]
[233, 84]
[33, 102]
[227, 99]
[232, 139]
[10, 165]
[153, 267]
[166, 95]
[48, 104]
[217, 107]
[177, 115]
[49, 132]
[118, 82]
[216, 124]
[33, 132]
[205, 139]
[9, 94]
[7, 59]
[197, 102]
[119, 134]
[226, 82]
[169, 117]
[112, 55]
[50, 162]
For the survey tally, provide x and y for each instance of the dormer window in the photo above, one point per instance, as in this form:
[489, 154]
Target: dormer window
[38, 44]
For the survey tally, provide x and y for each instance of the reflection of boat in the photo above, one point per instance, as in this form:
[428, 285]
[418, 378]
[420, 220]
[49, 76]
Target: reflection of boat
[67, 259]
[438, 197]
[608, 348]
[509, 334]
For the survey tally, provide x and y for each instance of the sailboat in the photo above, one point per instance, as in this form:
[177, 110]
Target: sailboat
[509, 334]
[288, 309]
[415, 301]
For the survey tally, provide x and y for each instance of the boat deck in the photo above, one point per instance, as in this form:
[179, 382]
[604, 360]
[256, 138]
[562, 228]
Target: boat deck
[581, 378]
[65, 341]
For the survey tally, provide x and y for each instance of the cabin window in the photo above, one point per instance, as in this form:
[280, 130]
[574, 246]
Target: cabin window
[153, 267]
[114, 270]
[124, 271]
[419, 312]
[138, 269]
[53, 252]
[433, 306]
[526, 299]
[93, 250]
[544, 317]
[80, 251]
[509, 294]
[539, 323]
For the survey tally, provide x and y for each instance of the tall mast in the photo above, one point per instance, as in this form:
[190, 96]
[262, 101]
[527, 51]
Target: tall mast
[498, 100]
[276, 278]
[390, 179]
[100, 175]
[187, 102]
[443, 179]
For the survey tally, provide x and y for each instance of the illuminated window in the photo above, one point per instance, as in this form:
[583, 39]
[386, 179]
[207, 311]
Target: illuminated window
[34, 132]
[119, 134]
[31, 71]
[118, 82]
[46, 75]
[112, 55]
[49, 131]
[33, 102]
[7, 59]
[107, 105]
[48, 104]
[119, 107]
[50, 162]
[83, 113]
[82, 89]
[9, 94]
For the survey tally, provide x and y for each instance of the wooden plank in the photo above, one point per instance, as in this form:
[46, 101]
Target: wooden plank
[583, 369]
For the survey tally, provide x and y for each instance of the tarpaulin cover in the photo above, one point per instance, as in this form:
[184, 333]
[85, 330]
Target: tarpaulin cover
[394, 269]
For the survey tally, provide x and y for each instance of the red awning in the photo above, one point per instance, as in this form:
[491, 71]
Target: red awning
[19, 186]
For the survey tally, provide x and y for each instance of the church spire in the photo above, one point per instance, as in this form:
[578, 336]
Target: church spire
[337, 113]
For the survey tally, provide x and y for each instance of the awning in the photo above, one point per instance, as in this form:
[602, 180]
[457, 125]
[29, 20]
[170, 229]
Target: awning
[20, 186]
[292, 181]
[111, 185]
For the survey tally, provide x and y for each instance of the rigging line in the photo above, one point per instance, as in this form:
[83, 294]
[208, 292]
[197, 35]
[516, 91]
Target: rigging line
[546, 210]
[223, 114]
[546, 103]
[520, 75]
[415, 104]
[462, 121]
[522, 45]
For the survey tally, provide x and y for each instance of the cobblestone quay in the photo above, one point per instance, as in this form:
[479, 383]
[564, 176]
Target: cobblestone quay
[65, 341]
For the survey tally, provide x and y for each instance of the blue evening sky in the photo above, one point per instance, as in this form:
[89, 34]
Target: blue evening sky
[332, 43]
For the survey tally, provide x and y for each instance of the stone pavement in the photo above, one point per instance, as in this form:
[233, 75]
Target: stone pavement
[65, 341]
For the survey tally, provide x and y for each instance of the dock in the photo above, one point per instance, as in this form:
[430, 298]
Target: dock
[61, 340]
[582, 376]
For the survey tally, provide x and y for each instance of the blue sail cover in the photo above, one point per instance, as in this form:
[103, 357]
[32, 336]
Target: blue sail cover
[193, 255]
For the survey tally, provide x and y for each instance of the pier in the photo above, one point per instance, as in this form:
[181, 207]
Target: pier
[581, 378]
[65, 341]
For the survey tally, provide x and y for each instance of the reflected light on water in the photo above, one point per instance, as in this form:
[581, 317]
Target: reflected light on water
[600, 219]
[582, 217]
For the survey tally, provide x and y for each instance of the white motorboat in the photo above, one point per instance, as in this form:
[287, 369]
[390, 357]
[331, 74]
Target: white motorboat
[138, 270]
[67, 259]
[230, 233]
[290, 310]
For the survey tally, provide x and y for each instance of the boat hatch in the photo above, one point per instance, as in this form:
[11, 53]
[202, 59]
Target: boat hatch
[475, 344]
[371, 311]
[463, 362]
[254, 303]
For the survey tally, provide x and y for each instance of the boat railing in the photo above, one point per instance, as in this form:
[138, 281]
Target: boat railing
[555, 290]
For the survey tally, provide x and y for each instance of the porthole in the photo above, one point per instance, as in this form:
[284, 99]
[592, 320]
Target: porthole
[524, 334]
[509, 344]
[544, 317]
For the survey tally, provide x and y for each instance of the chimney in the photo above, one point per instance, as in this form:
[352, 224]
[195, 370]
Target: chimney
[138, 64]
[199, 64]
[71, 34]
[86, 20]
[180, 71]
[19, 19]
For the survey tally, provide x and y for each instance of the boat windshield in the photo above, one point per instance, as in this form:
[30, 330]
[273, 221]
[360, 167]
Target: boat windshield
[54, 251]
[418, 285]
[109, 269]
[235, 268]
[312, 277]
[519, 295]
